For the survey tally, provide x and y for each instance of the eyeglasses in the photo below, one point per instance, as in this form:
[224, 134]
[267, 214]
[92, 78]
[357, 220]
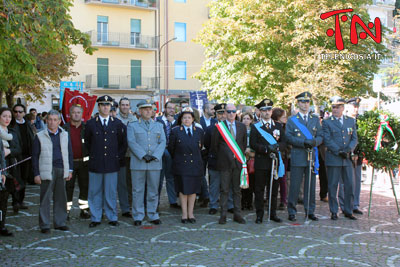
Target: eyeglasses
[220, 112]
[231, 111]
[18, 111]
[304, 101]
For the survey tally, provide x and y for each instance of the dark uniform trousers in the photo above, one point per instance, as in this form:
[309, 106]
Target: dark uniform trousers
[262, 179]
[80, 173]
[230, 179]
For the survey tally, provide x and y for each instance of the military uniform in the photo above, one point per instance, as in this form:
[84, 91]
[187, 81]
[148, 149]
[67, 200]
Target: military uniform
[299, 163]
[147, 142]
[340, 139]
[106, 143]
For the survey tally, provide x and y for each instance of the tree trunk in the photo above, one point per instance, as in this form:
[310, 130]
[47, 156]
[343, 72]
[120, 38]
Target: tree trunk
[10, 99]
[1, 98]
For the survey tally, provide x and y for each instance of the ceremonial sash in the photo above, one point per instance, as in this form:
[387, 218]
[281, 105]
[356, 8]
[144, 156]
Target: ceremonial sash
[234, 147]
[304, 130]
[271, 140]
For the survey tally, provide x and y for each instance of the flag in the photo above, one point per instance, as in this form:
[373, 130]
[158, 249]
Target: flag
[75, 97]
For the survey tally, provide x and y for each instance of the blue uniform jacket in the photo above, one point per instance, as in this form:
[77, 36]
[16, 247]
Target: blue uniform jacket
[106, 146]
[338, 137]
[186, 151]
[299, 154]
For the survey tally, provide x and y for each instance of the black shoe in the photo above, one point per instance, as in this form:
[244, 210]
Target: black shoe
[281, 206]
[231, 210]
[94, 224]
[300, 201]
[357, 211]
[45, 231]
[312, 217]
[22, 206]
[334, 216]
[16, 208]
[239, 219]
[212, 211]
[68, 216]
[250, 207]
[174, 205]
[222, 220]
[156, 222]
[5, 232]
[62, 228]
[350, 216]
[184, 221]
[127, 214]
[192, 220]
[292, 218]
[259, 220]
[137, 223]
[205, 203]
[84, 214]
[275, 219]
[113, 223]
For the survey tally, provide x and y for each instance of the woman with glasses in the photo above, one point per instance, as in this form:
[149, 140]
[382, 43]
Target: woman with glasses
[185, 144]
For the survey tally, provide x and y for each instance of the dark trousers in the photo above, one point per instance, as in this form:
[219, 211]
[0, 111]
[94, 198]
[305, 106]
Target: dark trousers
[262, 179]
[323, 179]
[80, 174]
[26, 177]
[53, 189]
[247, 194]
[3, 208]
[230, 179]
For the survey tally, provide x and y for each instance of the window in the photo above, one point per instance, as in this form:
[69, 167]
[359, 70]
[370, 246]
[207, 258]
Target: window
[135, 31]
[102, 72]
[180, 32]
[102, 29]
[180, 1]
[136, 73]
[180, 70]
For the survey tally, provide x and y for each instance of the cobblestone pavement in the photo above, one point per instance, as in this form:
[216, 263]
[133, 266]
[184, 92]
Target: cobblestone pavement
[373, 241]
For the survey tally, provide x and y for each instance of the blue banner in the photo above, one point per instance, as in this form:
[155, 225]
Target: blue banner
[198, 99]
[71, 86]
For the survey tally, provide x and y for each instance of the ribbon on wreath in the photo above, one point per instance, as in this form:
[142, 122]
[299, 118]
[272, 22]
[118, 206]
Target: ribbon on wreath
[384, 124]
[234, 147]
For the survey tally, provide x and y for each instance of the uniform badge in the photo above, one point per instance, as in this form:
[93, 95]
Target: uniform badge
[106, 98]
[276, 132]
[298, 134]
[266, 101]
[349, 131]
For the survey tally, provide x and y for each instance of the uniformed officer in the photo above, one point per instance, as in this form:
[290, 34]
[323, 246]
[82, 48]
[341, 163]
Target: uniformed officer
[146, 140]
[304, 133]
[340, 138]
[263, 161]
[105, 138]
[352, 110]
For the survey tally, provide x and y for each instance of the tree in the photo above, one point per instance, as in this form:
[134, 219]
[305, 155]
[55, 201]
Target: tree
[258, 48]
[35, 48]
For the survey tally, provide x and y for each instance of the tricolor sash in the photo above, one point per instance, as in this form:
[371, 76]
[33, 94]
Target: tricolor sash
[234, 147]
[304, 130]
[271, 140]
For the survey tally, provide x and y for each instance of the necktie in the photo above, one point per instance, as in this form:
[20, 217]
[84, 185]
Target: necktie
[104, 123]
[267, 125]
[232, 131]
[188, 132]
[340, 120]
[305, 118]
[168, 128]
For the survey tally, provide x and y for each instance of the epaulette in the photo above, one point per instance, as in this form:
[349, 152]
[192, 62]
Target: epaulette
[97, 118]
[181, 128]
[112, 118]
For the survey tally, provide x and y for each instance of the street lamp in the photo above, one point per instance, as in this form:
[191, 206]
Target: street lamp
[159, 65]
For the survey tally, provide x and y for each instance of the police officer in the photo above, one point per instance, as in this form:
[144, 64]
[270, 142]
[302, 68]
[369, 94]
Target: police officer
[304, 133]
[263, 161]
[105, 138]
[146, 140]
[340, 138]
[352, 110]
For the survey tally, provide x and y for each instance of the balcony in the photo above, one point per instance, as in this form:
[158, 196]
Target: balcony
[120, 82]
[148, 5]
[124, 40]
[384, 2]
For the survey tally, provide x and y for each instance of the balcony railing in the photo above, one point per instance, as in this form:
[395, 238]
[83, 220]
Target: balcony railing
[120, 82]
[383, 2]
[124, 40]
[142, 4]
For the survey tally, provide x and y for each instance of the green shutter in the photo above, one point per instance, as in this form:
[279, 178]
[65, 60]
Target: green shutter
[136, 73]
[102, 72]
[136, 25]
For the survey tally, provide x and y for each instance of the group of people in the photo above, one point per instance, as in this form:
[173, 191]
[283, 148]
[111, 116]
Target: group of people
[120, 156]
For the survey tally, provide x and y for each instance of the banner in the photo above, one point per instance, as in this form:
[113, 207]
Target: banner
[75, 97]
[198, 99]
[71, 86]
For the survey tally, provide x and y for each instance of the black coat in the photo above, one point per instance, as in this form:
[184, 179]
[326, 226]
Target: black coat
[107, 147]
[225, 157]
[203, 122]
[258, 143]
[211, 158]
[186, 151]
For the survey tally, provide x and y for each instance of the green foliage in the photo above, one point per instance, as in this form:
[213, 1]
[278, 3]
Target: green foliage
[35, 48]
[259, 48]
[368, 124]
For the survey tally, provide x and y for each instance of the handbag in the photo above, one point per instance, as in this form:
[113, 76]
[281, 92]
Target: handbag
[250, 166]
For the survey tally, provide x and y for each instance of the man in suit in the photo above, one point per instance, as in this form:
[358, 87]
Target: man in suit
[105, 138]
[263, 161]
[352, 110]
[168, 121]
[76, 131]
[227, 163]
[304, 133]
[340, 138]
[147, 142]
[208, 116]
